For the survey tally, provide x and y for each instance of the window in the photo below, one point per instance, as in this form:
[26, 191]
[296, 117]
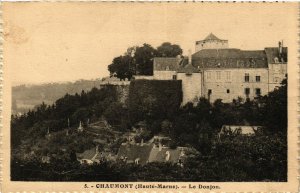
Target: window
[247, 91]
[228, 91]
[228, 75]
[257, 78]
[218, 75]
[208, 75]
[257, 91]
[174, 77]
[246, 77]
[209, 91]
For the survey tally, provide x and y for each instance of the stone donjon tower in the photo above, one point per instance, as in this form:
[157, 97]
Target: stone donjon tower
[211, 42]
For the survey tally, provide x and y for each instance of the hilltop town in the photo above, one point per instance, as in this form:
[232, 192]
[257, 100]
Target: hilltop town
[167, 112]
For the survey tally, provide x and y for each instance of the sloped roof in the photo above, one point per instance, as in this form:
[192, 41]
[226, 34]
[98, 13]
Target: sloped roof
[274, 52]
[244, 130]
[160, 156]
[188, 69]
[105, 155]
[166, 64]
[87, 154]
[229, 58]
[222, 58]
[132, 152]
[211, 36]
[229, 53]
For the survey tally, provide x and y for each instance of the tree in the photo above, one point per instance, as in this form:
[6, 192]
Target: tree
[138, 60]
[122, 66]
[167, 49]
[115, 113]
[274, 109]
[144, 59]
[166, 127]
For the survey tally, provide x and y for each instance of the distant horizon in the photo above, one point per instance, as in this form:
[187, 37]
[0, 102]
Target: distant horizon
[15, 84]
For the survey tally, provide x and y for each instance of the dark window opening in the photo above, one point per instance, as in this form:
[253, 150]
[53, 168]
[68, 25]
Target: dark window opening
[209, 91]
[258, 91]
[247, 91]
[174, 77]
[247, 77]
[257, 78]
[228, 91]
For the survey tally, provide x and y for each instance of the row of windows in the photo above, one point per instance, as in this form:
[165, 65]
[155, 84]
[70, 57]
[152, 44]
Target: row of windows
[218, 75]
[246, 91]
[228, 76]
[256, 90]
[247, 78]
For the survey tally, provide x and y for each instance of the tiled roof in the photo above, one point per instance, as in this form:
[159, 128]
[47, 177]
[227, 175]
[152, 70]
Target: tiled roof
[88, 154]
[166, 64]
[133, 152]
[105, 155]
[160, 156]
[274, 52]
[229, 58]
[222, 58]
[188, 69]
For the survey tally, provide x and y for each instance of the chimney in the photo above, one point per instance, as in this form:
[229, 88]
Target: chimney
[280, 47]
[159, 147]
[190, 57]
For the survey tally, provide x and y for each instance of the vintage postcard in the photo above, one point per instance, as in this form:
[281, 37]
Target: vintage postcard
[149, 97]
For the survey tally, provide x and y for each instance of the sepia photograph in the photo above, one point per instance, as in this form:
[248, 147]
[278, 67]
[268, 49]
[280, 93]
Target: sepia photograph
[190, 92]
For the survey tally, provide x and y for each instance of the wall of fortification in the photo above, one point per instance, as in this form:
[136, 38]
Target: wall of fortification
[191, 86]
[163, 75]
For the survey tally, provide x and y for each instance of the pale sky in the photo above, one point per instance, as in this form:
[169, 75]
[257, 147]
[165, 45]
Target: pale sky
[54, 42]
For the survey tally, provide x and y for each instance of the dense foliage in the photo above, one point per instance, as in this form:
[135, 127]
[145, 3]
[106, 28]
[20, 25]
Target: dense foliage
[151, 100]
[138, 60]
[262, 157]
[238, 158]
[87, 106]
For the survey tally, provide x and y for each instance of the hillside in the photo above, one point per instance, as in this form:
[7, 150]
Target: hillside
[229, 157]
[26, 97]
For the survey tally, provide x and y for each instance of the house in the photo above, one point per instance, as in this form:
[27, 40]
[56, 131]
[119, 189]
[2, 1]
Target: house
[166, 154]
[94, 156]
[150, 152]
[159, 139]
[216, 71]
[134, 153]
[88, 156]
[239, 129]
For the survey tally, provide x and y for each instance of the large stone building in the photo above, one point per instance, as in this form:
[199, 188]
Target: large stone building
[215, 71]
